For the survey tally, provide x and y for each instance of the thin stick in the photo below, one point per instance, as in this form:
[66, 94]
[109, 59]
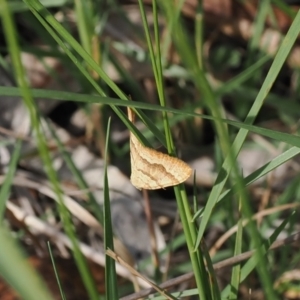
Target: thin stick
[137, 274]
[153, 241]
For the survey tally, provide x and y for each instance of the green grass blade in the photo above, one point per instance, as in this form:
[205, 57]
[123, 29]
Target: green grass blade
[15, 54]
[157, 69]
[237, 81]
[186, 50]
[84, 17]
[17, 5]
[78, 176]
[17, 272]
[6, 186]
[55, 27]
[181, 197]
[258, 26]
[111, 283]
[264, 170]
[62, 294]
[276, 135]
[199, 36]
[235, 276]
[253, 261]
[212, 287]
[56, 30]
[279, 60]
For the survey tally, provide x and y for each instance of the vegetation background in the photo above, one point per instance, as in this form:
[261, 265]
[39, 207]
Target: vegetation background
[213, 82]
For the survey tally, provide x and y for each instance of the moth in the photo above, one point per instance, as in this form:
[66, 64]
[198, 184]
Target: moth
[151, 169]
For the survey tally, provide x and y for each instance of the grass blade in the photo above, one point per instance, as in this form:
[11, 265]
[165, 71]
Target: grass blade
[5, 189]
[111, 284]
[25, 281]
[279, 60]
